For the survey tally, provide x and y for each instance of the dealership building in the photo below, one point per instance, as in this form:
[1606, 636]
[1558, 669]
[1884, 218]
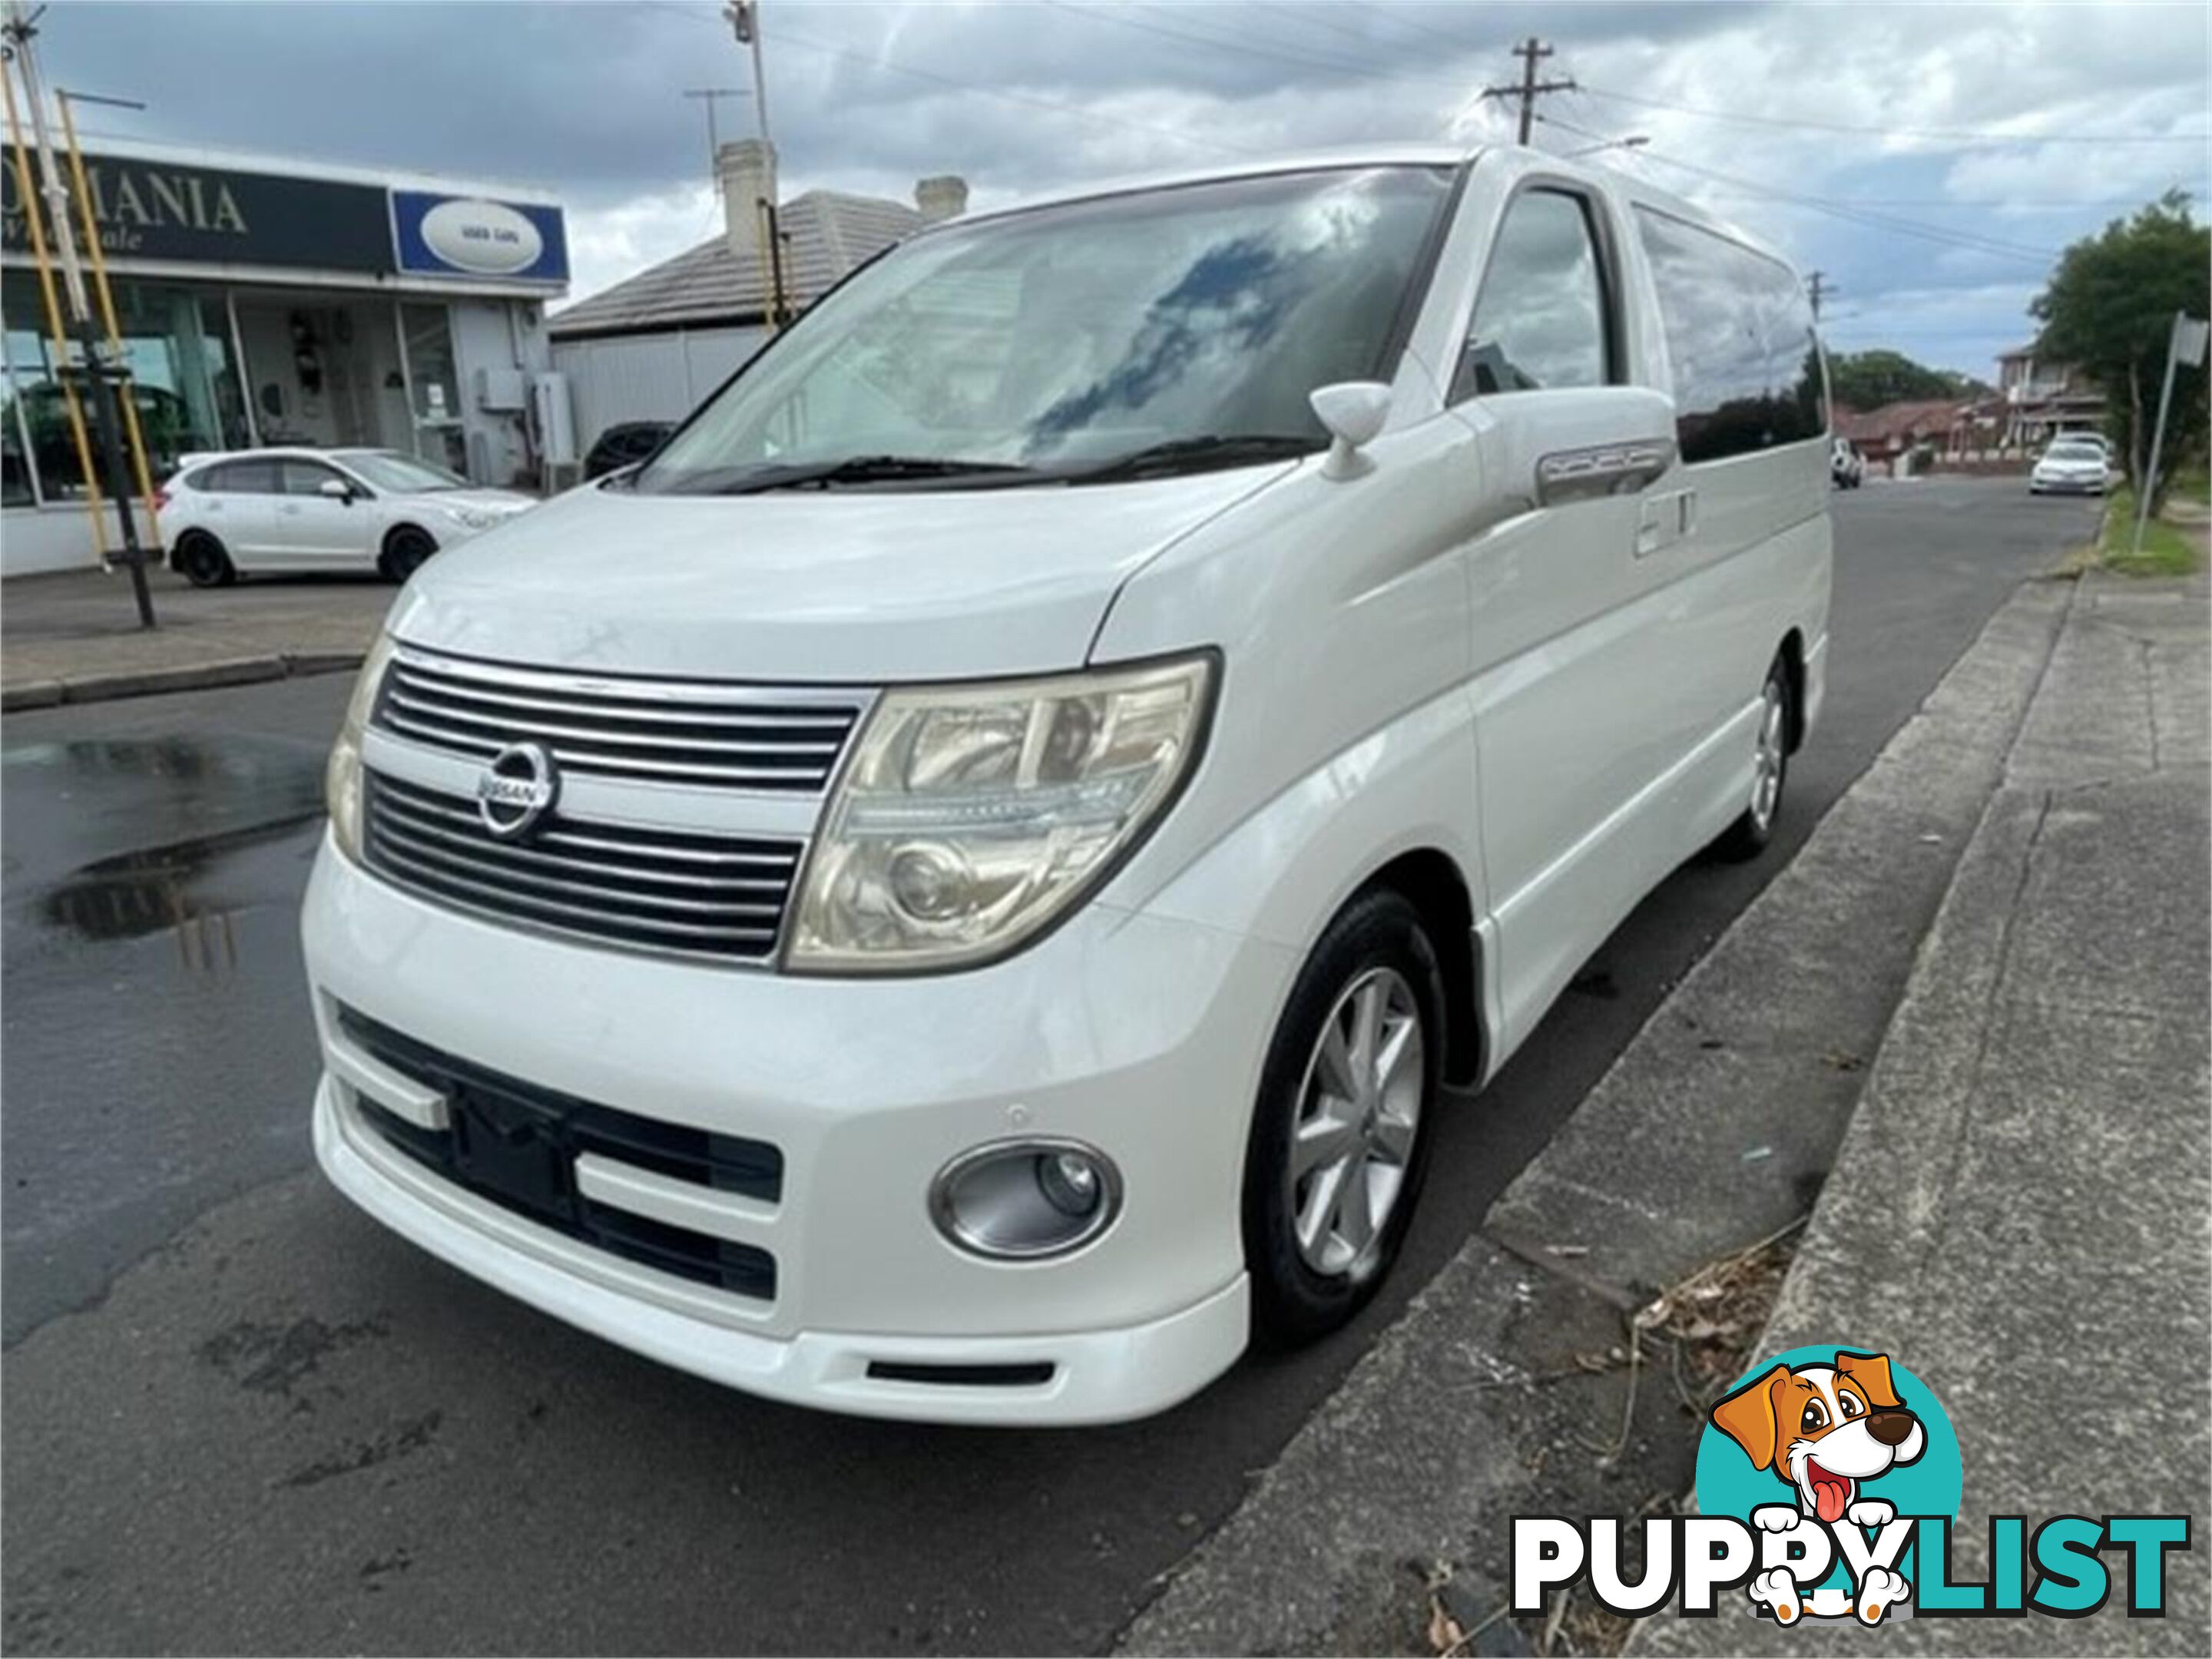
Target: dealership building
[266, 301]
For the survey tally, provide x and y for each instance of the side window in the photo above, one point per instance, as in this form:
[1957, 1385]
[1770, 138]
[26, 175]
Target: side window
[1747, 369]
[305, 478]
[1540, 320]
[241, 478]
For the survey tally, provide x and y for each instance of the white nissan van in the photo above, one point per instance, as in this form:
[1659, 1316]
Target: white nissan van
[956, 891]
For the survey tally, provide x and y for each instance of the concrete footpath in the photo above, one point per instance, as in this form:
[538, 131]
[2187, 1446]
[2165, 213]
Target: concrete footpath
[2046, 1204]
[73, 636]
[2021, 1210]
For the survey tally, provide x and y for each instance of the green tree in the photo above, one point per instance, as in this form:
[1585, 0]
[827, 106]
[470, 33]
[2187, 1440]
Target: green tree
[2108, 310]
[1868, 380]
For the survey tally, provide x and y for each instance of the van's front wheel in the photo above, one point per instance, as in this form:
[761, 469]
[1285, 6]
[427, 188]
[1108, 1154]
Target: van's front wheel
[1340, 1133]
[1748, 837]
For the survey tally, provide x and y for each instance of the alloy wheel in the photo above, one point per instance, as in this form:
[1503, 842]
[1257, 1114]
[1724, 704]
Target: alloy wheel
[1359, 1111]
[1770, 757]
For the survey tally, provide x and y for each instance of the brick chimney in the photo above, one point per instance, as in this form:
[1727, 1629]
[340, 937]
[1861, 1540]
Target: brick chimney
[945, 196]
[746, 171]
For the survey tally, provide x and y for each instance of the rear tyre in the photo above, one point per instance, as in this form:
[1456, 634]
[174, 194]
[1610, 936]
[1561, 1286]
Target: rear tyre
[1748, 837]
[1339, 1139]
[406, 551]
[203, 561]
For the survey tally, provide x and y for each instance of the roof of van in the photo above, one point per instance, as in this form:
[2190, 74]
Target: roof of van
[1410, 154]
[1414, 153]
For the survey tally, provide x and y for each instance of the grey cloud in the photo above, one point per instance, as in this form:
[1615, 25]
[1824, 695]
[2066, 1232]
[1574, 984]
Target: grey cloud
[585, 99]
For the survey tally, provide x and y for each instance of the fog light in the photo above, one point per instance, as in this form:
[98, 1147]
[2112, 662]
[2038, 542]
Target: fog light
[1021, 1199]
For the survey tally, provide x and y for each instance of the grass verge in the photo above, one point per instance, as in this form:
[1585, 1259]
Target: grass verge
[2167, 551]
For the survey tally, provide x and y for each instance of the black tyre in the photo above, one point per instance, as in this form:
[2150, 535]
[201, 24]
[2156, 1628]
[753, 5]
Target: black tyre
[1748, 837]
[406, 550]
[1340, 1134]
[203, 561]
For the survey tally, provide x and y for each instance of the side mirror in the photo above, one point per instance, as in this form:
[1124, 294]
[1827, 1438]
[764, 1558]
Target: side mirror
[336, 489]
[1353, 411]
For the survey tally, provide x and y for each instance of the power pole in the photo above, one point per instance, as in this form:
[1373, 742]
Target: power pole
[1818, 288]
[105, 375]
[744, 20]
[711, 96]
[1530, 52]
[744, 23]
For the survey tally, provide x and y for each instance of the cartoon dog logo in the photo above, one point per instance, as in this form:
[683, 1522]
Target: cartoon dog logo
[1824, 1431]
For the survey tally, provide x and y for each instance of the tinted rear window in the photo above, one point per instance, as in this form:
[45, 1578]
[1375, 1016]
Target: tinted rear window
[1739, 335]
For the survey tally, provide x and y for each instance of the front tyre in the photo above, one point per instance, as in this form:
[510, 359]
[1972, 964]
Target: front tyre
[1746, 838]
[1340, 1133]
[406, 551]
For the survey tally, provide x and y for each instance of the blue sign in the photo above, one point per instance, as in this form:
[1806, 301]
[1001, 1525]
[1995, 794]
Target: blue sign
[435, 235]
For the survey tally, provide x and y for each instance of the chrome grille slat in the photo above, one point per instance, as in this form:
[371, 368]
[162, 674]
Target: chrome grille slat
[676, 845]
[507, 729]
[699, 734]
[572, 758]
[499, 869]
[407, 814]
[674, 890]
[503, 902]
[662, 714]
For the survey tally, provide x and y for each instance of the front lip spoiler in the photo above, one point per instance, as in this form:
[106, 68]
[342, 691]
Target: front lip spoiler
[1105, 1376]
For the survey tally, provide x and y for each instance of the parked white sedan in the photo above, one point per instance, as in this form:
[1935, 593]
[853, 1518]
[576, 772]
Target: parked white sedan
[256, 510]
[2071, 466]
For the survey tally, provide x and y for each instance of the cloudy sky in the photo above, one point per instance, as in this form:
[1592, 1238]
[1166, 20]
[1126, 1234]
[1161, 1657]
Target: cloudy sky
[1930, 159]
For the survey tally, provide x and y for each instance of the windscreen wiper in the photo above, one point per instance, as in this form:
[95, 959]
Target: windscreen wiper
[1198, 455]
[878, 469]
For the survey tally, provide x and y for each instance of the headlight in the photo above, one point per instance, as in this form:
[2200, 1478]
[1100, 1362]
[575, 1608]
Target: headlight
[971, 816]
[341, 778]
[474, 518]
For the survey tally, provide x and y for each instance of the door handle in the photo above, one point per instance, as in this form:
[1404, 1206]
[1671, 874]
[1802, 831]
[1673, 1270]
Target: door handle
[1598, 471]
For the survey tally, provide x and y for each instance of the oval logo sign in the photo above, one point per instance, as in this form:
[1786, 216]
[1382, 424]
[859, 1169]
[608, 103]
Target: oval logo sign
[488, 238]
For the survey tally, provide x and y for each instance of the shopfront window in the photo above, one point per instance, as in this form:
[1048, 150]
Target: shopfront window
[184, 383]
[42, 408]
[428, 333]
[16, 488]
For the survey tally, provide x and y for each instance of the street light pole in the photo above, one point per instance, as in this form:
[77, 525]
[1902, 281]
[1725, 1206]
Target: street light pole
[1634, 141]
[20, 30]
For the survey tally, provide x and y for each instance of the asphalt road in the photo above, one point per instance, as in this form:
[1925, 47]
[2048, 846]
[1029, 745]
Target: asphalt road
[240, 1417]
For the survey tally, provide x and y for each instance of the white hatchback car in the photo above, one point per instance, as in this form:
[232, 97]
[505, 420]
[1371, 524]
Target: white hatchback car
[296, 510]
[955, 890]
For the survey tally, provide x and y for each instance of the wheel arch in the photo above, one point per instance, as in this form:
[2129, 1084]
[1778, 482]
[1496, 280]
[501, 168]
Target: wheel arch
[1429, 879]
[400, 527]
[1792, 652]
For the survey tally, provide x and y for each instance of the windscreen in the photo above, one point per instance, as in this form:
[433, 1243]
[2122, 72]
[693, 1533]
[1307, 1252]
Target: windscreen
[1046, 341]
[387, 469]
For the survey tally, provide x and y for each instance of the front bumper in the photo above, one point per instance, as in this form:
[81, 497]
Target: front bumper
[2048, 486]
[1140, 1036]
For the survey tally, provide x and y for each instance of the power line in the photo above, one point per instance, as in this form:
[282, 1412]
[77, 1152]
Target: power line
[1247, 48]
[1372, 13]
[1964, 240]
[1938, 135]
[865, 61]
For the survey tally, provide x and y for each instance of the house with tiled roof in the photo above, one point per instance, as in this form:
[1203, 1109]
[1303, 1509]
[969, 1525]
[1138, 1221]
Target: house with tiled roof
[1884, 436]
[653, 345]
[2043, 398]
